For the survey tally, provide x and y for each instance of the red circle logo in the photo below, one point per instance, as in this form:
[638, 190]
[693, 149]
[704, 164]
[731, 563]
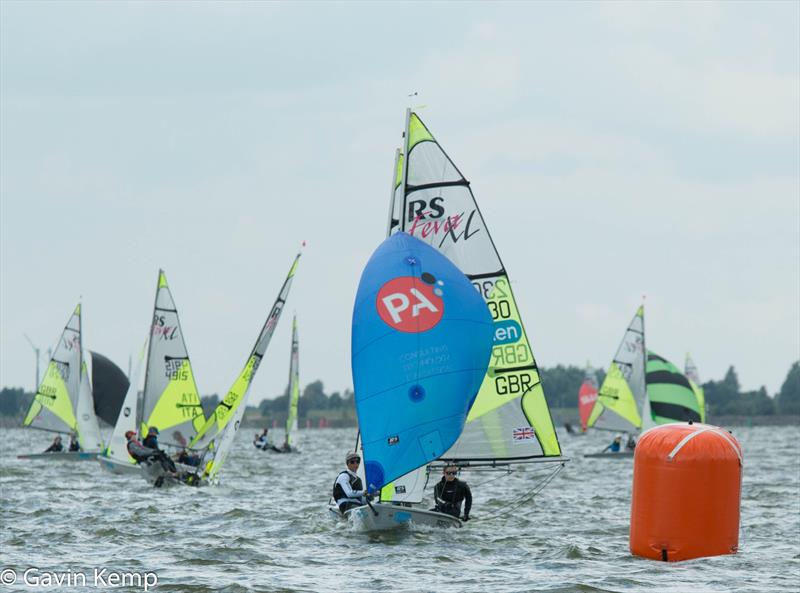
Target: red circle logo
[410, 305]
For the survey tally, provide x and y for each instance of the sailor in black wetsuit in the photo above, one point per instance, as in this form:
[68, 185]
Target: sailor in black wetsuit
[73, 443]
[348, 490]
[55, 446]
[151, 440]
[450, 492]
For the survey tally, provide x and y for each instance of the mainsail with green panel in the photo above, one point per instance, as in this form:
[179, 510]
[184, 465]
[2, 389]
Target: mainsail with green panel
[294, 384]
[509, 420]
[55, 404]
[691, 372]
[223, 423]
[623, 394]
[171, 401]
[670, 393]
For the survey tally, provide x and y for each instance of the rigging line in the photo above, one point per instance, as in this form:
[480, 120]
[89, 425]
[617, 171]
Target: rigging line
[514, 505]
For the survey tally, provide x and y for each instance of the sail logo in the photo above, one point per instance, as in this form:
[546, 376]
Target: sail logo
[162, 330]
[411, 306]
[427, 220]
[507, 332]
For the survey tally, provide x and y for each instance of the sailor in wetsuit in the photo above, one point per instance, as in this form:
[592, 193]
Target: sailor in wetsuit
[73, 443]
[55, 446]
[151, 440]
[141, 453]
[450, 492]
[348, 490]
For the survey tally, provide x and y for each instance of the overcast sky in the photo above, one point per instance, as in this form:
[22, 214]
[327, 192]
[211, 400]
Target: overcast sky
[615, 150]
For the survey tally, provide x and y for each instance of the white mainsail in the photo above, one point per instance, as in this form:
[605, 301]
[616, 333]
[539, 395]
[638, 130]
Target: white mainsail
[509, 419]
[622, 400]
[54, 406]
[171, 401]
[294, 384]
[128, 418]
[87, 428]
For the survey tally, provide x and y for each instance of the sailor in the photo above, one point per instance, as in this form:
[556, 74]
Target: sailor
[151, 440]
[260, 441]
[631, 444]
[450, 492]
[348, 490]
[187, 458]
[73, 443]
[615, 445]
[55, 446]
[137, 450]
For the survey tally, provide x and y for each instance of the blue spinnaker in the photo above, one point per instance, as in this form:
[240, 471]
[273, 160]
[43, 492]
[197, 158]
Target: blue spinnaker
[422, 337]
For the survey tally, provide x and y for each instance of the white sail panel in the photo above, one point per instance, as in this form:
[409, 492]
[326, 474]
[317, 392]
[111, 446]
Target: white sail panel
[87, 427]
[171, 400]
[55, 403]
[128, 415]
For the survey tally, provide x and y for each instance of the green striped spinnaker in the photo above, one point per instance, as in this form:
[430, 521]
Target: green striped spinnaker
[671, 396]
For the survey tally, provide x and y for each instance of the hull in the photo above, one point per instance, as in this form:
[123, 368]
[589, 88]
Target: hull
[381, 517]
[63, 456]
[620, 455]
[118, 467]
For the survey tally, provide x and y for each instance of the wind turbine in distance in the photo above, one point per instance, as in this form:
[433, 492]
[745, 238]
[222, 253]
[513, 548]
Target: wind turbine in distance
[38, 357]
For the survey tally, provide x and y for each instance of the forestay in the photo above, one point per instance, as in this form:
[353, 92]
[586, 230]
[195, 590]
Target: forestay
[510, 419]
[227, 416]
[171, 401]
[623, 395]
[53, 407]
[670, 393]
[420, 345]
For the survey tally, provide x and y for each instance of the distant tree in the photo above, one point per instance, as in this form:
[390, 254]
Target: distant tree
[561, 385]
[335, 401]
[313, 398]
[788, 400]
[14, 401]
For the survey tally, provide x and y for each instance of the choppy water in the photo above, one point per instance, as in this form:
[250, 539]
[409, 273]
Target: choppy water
[266, 528]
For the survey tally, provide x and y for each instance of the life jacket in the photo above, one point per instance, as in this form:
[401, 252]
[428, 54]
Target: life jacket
[338, 491]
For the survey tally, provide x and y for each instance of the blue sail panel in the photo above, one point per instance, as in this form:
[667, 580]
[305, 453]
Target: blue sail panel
[422, 338]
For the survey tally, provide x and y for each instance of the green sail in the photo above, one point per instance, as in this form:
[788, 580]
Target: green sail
[671, 396]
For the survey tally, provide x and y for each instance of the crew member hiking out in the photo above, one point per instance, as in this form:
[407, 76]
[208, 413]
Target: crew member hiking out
[348, 490]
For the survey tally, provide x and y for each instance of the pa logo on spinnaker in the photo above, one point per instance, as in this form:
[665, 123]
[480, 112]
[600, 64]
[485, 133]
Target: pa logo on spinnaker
[410, 305]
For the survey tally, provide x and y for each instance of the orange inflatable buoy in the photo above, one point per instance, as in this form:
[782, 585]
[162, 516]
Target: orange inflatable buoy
[687, 481]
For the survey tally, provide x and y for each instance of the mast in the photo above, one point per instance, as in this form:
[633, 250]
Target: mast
[140, 408]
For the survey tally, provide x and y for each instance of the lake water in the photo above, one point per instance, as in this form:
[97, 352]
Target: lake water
[266, 528]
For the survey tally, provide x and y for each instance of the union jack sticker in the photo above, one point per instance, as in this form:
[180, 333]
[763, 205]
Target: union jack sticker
[522, 434]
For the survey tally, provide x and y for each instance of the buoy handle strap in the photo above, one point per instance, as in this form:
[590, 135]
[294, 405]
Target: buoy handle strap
[690, 436]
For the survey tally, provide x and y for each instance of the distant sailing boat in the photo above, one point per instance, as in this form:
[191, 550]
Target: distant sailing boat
[691, 372]
[294, 396]
[64, 402]
[217, 435]
[170, 400]
[641, 390]
[587, 395]
[421, 342]
[509, 422]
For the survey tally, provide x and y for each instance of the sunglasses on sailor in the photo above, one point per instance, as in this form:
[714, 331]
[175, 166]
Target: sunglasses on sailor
[451, 473]
[356, 460]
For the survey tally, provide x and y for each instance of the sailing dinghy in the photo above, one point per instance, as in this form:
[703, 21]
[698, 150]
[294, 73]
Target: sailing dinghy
[294, 396]
[421, 342]
[64, 402]
[642, 390]
[170, 400]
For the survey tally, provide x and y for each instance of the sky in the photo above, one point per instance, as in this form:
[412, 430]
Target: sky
[615, 149]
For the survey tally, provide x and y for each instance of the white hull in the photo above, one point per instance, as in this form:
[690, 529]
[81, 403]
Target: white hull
[381, 516]
[63, 456]
[118, 467]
